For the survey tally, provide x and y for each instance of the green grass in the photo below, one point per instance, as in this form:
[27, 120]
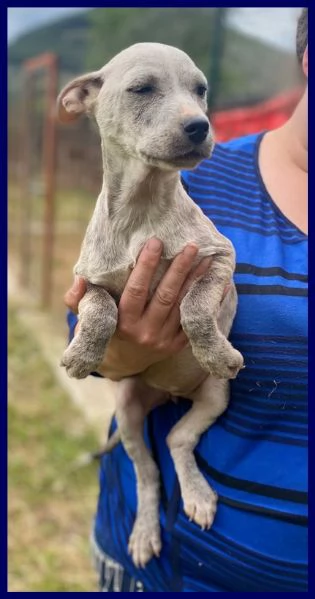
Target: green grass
[50, 507]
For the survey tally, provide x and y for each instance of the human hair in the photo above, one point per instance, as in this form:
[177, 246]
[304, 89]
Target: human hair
[302, 34]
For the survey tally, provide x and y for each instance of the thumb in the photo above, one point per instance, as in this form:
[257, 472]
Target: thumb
[73, 296]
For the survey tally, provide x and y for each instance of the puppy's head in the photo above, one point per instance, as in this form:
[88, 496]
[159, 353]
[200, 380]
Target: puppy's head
[150, 101]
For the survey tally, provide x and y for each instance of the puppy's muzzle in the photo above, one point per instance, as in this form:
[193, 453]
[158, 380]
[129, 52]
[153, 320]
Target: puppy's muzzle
[197, 129]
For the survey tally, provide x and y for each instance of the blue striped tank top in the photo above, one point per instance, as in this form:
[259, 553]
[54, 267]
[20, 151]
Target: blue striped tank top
[255, 455]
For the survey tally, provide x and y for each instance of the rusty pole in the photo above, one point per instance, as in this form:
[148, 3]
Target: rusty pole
[25, 195]
[47, 61]
[49, 155]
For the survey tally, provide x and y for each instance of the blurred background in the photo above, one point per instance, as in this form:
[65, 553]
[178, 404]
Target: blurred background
[248, 56]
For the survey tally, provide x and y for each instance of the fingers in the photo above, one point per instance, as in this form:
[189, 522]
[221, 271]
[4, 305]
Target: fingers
[172, 323]
[135, 294]
[172, 326]
[168, 289]
[73, 296]
[179, 342]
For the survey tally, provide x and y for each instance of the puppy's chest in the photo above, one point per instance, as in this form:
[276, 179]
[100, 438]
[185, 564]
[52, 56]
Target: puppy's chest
[115, 281]
[108, 256]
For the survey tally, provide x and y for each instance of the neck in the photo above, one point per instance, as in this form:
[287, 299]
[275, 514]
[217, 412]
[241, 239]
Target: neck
[293, 137]
[134, 191]
[283, 165]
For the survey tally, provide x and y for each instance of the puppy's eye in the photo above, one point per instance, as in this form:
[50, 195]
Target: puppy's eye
[201, 90]
[142, 90]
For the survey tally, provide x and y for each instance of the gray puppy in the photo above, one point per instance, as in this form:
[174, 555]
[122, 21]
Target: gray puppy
[149, 103]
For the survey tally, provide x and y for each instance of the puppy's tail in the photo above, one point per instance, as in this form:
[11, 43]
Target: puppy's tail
[88, 458]
[107, 448]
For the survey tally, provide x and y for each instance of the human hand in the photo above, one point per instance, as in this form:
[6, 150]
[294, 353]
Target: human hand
[147, 332]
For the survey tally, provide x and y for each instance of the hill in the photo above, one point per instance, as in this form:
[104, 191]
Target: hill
[251, 70]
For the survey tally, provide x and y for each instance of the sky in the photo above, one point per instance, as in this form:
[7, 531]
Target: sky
[275, 26]
[21, 20]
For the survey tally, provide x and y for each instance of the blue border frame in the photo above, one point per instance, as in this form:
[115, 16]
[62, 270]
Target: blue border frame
[3, 267]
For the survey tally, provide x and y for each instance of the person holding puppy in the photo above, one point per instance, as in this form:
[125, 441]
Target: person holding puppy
[255, 456]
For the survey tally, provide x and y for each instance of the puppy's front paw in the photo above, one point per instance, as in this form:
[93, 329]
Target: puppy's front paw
[222, 362]
[80, 360]
[227, 364]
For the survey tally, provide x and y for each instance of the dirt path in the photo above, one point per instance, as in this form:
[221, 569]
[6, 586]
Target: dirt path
[93, 396]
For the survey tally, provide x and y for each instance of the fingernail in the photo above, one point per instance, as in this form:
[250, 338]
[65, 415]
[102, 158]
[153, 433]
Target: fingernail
[227, 289]
[205, 263]
[76, 285]
[190, 250]
[154, 245]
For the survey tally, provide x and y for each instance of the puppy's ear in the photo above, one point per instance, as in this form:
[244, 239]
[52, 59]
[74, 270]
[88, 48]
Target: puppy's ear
[79, 96]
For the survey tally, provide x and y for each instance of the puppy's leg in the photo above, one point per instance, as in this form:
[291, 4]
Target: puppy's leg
[210, 401]
[98, 321]
[199, 312]
[134, 401]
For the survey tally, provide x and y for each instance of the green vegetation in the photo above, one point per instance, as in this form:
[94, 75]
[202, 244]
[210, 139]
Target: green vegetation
[250, 69]
[50, 509]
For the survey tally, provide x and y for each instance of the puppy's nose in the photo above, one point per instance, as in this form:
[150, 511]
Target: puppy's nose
[197, 129]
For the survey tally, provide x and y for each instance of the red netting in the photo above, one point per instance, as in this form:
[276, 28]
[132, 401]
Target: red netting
[266, 115]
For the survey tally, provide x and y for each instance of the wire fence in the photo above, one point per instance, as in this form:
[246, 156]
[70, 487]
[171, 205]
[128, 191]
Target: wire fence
[55, 171]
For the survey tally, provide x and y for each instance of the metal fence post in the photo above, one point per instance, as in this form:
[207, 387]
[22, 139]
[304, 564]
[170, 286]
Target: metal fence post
[49, 63]
[217, 48]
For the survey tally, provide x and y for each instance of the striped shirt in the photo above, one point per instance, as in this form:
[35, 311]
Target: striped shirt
[255, 455]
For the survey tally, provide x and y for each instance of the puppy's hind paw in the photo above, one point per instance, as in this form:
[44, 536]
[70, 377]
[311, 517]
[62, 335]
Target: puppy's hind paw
[144, 542]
